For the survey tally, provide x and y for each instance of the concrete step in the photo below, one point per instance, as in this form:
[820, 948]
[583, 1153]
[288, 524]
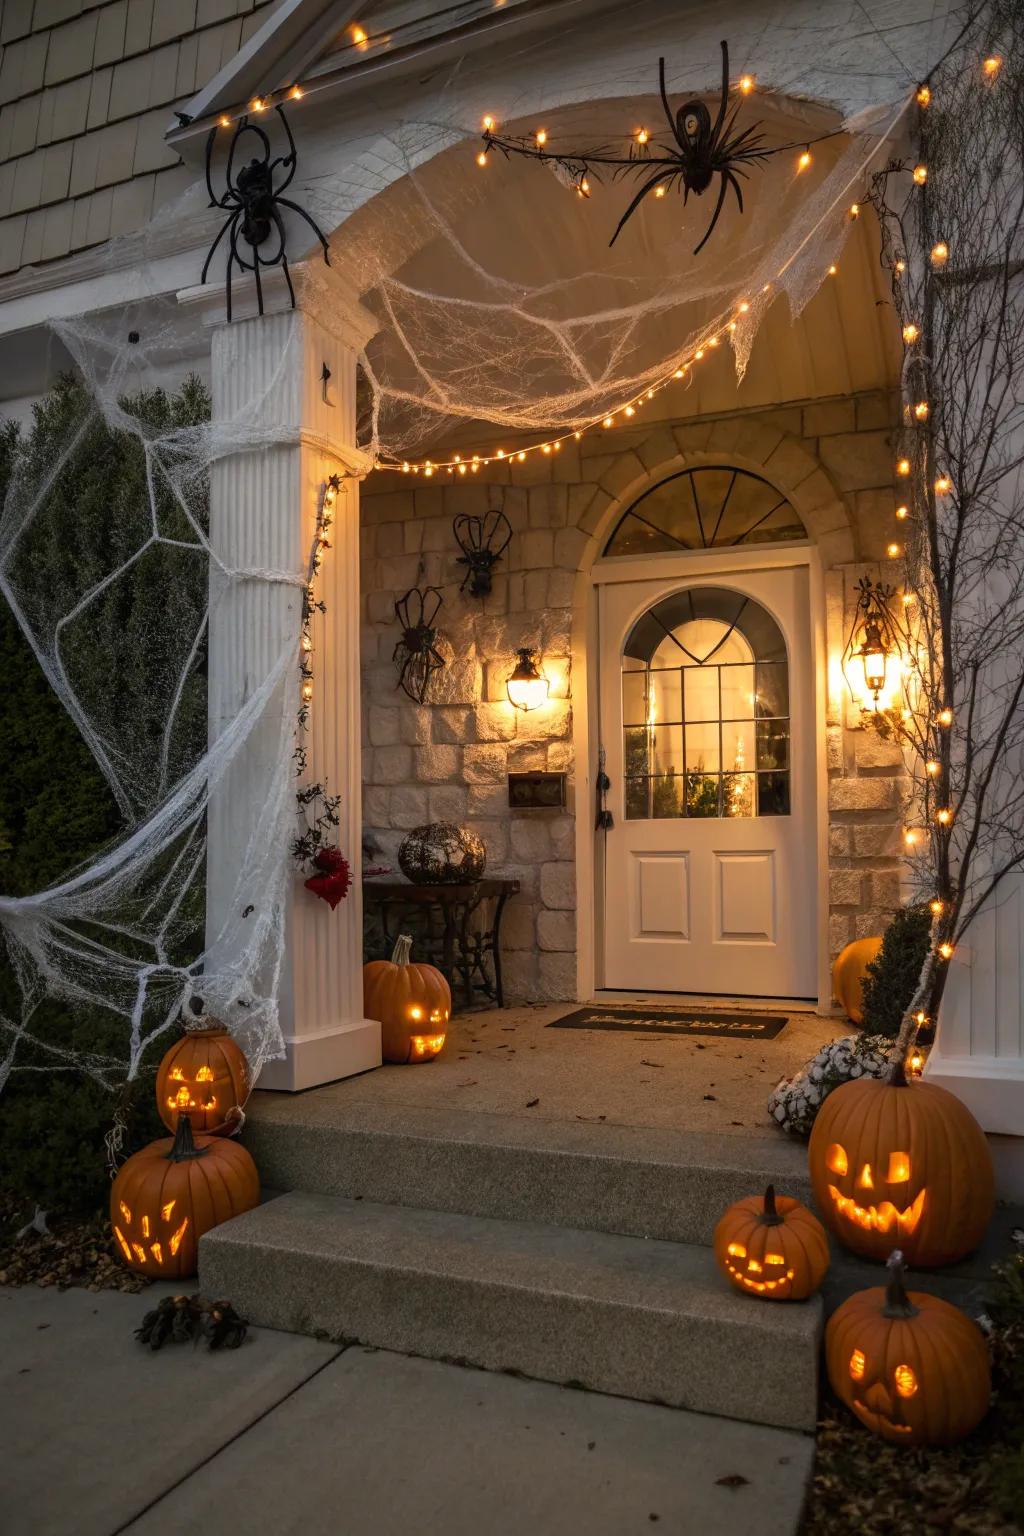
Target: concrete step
[644, 1319]
[670, 1185]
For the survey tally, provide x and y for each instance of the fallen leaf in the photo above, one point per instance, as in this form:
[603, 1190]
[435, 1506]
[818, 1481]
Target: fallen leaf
[645, 1063]
[531, 1102]
[731, 1480]
[469, 1082]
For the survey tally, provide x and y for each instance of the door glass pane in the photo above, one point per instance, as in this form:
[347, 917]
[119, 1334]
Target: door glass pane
[702, 748]
[700, 693]
[705, 700]
[738, 692]
[773, 744]
[772, 689]
[666, 749]
[702, 790]
[773, 794]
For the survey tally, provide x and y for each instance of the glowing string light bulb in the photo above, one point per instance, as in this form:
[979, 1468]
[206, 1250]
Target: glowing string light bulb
[944, 817]
[923, 96]
[903, 466]
[910, 333]
[804, 161]
[939, 253]
[902, 513]
[921, 410]
[946, 950]
[747, 83]
[943, 485]
[945, 716]
[920, 174]
[992, 65]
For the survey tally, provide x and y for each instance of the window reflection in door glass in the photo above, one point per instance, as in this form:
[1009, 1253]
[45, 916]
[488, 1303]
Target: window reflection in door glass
[705, 698]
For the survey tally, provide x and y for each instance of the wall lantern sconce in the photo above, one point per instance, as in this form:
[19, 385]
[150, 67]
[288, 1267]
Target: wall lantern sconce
[483, 541]
[872, 642]
[527, 686]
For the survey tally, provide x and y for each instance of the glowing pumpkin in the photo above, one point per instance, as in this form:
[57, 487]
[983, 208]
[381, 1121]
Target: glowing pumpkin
[912, 1368]
[848, 975]
[412, 1002]
[772, 1248]
[166, 1196]
[205, 1076]
[898, 1162]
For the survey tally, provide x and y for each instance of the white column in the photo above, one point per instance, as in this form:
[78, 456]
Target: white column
[267, 374]
[979, 1045]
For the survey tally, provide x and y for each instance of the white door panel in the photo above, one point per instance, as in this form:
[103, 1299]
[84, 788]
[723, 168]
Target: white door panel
[708, 888]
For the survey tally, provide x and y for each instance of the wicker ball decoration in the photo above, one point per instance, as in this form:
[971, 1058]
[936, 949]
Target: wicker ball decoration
[442, 854]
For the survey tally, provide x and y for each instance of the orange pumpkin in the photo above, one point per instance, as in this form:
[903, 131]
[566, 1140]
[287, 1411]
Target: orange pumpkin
[902, 1162]
[166, 1196]
[205, 1076]
[773, 1248]
[912, 1368]
[848, 975]
[412, 1002]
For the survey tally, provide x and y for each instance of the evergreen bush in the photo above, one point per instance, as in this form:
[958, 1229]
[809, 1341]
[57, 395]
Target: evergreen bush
[56, 808]
[893, 975]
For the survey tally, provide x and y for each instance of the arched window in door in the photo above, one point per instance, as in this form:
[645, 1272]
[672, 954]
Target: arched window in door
[707, 508]
[705, 709]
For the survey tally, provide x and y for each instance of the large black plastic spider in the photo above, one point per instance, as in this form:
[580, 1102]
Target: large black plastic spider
[700, 150]
[705, 150]
[253, 201]
[416, 656]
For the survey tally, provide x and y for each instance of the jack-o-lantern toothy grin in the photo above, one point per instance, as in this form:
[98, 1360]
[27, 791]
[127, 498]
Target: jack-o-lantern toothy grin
[898, 1162]
[772, 1248]
[885, 1216]
[754, 1276]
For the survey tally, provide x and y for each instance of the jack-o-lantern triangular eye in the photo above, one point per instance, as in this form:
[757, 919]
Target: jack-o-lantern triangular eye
[864, 1179]
[899, 1168]
[835, 1159]
[857, 1364]
[906, 1381]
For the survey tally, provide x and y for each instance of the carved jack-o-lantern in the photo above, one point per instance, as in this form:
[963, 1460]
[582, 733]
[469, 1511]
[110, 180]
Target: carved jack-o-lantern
[772, 1248]
[412, 1001]
[902, 1162]
[912, 1368]
[166, 1196]
[205, 1076]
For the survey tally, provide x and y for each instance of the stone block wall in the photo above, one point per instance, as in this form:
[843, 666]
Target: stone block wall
[448, 759]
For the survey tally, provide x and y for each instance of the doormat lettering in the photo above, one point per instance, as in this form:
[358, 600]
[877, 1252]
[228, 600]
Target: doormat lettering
[672, 1021]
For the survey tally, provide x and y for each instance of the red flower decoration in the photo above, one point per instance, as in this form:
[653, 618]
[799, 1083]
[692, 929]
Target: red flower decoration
[333, 885]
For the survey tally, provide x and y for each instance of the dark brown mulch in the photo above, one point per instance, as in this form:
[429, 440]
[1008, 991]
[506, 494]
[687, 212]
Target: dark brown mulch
[862, 1486]
[75, 1252]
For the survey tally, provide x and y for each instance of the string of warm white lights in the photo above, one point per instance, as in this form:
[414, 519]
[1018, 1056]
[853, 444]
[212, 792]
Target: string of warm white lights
[938, 822]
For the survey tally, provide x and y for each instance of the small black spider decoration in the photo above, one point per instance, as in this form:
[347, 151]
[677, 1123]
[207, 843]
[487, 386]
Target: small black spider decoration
[483, 541]
[416, 655]
[700, 149]
[253, 202]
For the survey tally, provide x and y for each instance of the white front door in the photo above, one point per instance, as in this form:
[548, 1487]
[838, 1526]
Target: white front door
[708, 729]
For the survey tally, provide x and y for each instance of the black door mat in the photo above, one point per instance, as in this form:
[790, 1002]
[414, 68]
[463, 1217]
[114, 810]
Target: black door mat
[674, 1021]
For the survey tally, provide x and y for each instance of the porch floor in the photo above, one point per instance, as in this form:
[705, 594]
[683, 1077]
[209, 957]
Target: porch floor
[507, 1062]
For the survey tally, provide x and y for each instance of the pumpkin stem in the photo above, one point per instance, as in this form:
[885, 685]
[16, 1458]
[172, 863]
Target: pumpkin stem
[897, 1077]
[402, 951]
[185, 1148]
[897, 1302]
[771, 1217]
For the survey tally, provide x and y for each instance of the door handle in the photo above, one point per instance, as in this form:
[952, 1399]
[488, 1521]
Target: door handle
[605, 821]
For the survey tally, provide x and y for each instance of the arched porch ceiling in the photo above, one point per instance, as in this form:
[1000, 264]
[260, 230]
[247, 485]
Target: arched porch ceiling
[495, 282]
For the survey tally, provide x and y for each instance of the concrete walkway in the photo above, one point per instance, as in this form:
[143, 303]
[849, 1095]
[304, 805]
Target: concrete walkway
[288, 1434]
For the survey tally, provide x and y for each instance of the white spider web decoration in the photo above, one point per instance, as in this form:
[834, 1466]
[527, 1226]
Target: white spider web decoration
[491, 322]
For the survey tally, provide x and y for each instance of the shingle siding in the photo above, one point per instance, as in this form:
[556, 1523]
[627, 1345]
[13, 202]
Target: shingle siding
[86, 91]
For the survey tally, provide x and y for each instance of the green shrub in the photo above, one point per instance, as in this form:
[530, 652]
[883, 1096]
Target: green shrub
[56, 808]
[892, 977]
